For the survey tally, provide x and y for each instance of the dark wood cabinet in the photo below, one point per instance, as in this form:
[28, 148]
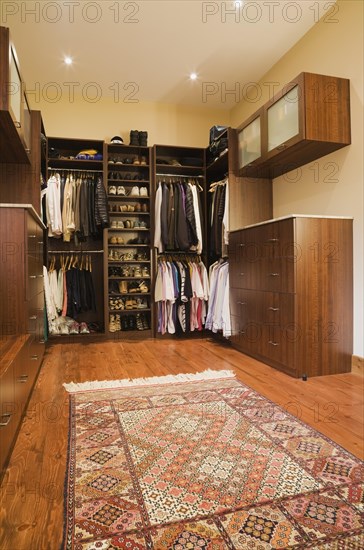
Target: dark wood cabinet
[306, 120]
[291, 293]
[15, 114]
[21, 316]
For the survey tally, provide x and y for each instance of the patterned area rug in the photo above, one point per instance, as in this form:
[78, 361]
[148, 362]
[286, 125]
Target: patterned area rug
[203, 463]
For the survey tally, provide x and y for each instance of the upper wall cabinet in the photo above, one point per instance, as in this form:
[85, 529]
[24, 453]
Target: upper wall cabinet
[15, 128]
[308, 119]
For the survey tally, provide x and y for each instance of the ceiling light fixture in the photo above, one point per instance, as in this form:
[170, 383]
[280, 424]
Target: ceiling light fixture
[68, 60]
[193, 76]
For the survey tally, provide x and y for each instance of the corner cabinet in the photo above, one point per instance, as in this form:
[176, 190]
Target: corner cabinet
[15, 114]
[306, 120]
[21, 316]
[291, 294]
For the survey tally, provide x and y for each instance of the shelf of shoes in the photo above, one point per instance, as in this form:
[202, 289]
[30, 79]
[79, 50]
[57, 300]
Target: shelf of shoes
[129, 256]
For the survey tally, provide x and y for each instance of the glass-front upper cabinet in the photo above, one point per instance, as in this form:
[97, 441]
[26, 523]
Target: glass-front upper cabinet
[250, 141]
[283, 119]
[15, 114]
[15, 90]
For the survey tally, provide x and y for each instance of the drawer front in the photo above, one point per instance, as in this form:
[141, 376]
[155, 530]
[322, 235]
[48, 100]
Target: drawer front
[279, 347]
[9, 414]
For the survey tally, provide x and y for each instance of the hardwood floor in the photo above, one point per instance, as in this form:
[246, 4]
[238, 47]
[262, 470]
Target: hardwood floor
[32, 488]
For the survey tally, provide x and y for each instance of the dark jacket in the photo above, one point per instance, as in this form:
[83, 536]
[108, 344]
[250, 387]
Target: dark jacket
[101, 212]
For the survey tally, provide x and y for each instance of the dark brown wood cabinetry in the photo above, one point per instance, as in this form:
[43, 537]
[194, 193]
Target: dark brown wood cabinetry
[21, 315]
[306, 120]
[292, 293]
[15, 115]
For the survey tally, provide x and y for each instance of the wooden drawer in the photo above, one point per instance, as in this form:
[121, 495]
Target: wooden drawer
[9, 413]
[279, 346]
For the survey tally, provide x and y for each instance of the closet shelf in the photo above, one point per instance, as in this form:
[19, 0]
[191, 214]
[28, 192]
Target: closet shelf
[116, 294]
[128, 197]
[129, 182]
[134, 310]
[55, 164]
[128, 278]
[128, 214]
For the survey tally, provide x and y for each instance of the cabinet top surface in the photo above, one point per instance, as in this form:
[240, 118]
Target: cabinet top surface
[25, 207]
[292, 216]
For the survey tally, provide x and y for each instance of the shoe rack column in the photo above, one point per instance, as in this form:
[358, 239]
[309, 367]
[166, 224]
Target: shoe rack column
[129, 304]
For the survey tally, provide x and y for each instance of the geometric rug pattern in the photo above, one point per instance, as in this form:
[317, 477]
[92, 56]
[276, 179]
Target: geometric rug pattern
[204, 465]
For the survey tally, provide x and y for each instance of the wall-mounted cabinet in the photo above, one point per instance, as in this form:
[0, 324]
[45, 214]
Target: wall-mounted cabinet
[306, 120]
[15, 119]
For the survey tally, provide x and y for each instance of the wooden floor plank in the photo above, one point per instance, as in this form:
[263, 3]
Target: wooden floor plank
[32, 488]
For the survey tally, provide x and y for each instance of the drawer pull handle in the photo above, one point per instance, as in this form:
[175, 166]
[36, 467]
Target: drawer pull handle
[274, 274]
[7, 418]
[42, 341]
[273, 308]
[23, 379]
[34, 357]
[280, 147]
[273, 343]
[40, 242]
[241, 244]
[242, 274]
[32, 236]
[272, 241]
[27, 151]
[32, 276]
[241, 331]
[32, 318]
[241, 303]
[17, 124]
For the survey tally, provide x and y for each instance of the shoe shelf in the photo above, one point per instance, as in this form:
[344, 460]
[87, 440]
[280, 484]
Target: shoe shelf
[128, 171]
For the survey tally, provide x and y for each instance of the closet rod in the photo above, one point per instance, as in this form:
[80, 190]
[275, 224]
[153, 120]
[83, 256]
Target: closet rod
[74, 170]
[186, 176]
[50, 252]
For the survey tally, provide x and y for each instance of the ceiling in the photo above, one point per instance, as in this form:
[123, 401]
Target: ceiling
[144, 50]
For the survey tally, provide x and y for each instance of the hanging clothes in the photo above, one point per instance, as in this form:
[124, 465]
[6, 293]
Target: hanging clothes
[219, 219]
[76, 206]
[181, 294]
[68, 293]
[218, 315]
[178, 216]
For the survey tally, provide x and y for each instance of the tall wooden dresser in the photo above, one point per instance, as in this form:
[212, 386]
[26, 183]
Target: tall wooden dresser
[291, 293]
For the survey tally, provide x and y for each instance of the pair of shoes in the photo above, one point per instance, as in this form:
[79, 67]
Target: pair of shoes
[142, 321]
[116, 303]
[140, 287]
[138, 138]
[121, 191]
[112, 190]
[74, 328]
[114, 323]
[143, 192]
[123, 287]
[140, 161]
[135, 191]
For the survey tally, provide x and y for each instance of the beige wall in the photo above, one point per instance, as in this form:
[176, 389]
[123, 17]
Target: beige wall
[166, 124]
[323, 188]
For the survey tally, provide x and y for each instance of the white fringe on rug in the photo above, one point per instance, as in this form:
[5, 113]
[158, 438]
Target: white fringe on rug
[73, 387]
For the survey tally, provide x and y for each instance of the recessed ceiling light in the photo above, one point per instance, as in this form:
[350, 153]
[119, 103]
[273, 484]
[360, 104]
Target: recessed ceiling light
[68, 60]
[193, 76]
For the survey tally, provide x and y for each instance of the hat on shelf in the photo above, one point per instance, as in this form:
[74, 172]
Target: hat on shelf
[117, 139]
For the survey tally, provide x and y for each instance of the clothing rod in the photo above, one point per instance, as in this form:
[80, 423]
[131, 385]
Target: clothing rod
[75, 252]
[186, 176]
[75, 170]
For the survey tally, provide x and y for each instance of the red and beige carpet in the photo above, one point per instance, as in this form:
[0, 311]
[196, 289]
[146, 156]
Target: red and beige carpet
[203, 462]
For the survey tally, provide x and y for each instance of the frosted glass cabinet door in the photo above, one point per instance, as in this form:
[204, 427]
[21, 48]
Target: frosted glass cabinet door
[249, 139]
[283, 119]
[15, 92]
